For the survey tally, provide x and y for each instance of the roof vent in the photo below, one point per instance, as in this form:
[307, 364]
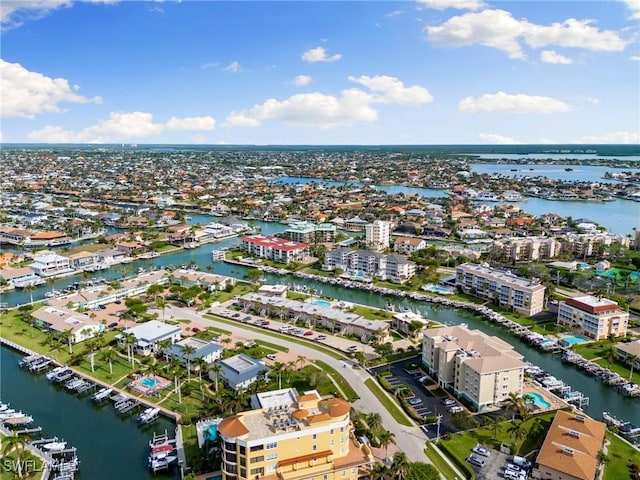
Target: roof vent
[580, 418]
[568, 451]
[573, 433]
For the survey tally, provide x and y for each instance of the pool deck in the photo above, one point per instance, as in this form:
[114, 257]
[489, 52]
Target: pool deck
[556, 402]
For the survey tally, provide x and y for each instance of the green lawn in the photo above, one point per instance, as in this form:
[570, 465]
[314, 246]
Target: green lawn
[621, 457]
[352, 396]
[272, 346]
[190, 441]
[593, 351]
[392, 407]
[440, 463]
[372, 313]
[297, 295]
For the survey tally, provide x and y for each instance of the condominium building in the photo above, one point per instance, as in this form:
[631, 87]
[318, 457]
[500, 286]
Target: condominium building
[570, 449]
[395, 268]
[523, 295]
[527, 248]
[584, 245]
[274, 248]
[307, 232]
[593, 317]
[480, 368]
[408, 245]
[292, 437]
[378, 234]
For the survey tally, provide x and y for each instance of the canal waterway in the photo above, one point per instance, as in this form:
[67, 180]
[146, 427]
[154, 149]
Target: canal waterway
[108, 447]
[555, 171]
[602, 398]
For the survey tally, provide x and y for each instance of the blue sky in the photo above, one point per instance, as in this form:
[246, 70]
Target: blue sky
[330, 72]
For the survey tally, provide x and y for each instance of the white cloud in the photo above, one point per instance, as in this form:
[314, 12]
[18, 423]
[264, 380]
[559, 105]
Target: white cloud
[302, 80]
[233, 67]
[13, 13]
[635, 58]
[319, 54]
[393, 90]
[498, 29]
[120, 126]
[395, 13]
[550, 56]
[204, 66]
[495, 138]
[502, 102]
[491, 28]
[614, 137]
[327, 111]
[457, 4]
[634, 7]
[26, 94]
[575, 34]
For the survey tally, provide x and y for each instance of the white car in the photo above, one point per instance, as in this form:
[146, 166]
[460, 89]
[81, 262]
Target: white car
[480, 450]
[271, 357]
[455, 409]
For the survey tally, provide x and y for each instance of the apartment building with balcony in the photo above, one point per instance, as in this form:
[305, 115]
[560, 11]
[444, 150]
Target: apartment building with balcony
[593, 317]
[307, 232]
[274, 248]
[395, 268]
[288, 436]
[378, 234]
[479, 368]
[526, 249]
[523, 295]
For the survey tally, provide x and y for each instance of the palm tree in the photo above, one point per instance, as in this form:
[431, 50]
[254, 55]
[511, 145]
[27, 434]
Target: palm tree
[16, 444]
[108, 356]
[386, 438]
[300, 361]
[161, 304]
[216, 369]
[518, 431]
[378, 471]
[400, 466]
[611, 353]
[176, 369]
[68, 334]
[494, 424]
[187, 352]
[201, 364]
[234, 401]
[277, 369]
[515, 402]
[374, 420]
[29, 288]
[632, 359]
[163, 346]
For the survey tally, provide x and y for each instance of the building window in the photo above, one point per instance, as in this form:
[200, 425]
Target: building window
[314, 436]
[343, 473]
[331, 431]
[255, 448]
[314, 447]
[272, 445]
[257, 459]
[272, 456]
[257, 471]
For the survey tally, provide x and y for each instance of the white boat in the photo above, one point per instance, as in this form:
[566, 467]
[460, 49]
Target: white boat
[101, 394]
[148, 415]
[4, 407]
[54, 372]
[54, 446]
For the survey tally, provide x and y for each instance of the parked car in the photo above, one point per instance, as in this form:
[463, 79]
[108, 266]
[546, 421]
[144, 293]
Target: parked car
[195, 330]
[480, 450]
[414, 401]
[308, 333]
[511, 475]
[102, 307]
[352, 348]
[475, 460]
[235, 315]
[455, 409]
[447, 402]
[321, 337]
[271, 357]
[112, 325]
[521, 461]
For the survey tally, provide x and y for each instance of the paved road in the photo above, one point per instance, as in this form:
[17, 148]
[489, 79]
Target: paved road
[410, 440]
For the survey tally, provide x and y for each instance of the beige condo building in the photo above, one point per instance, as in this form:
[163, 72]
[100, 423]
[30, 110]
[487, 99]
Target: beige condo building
[477, 367]
[292, 437]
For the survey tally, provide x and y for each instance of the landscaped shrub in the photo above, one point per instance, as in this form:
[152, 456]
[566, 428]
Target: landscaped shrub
[461, 464]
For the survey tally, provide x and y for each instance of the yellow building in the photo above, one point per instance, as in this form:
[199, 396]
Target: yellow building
[292, 437]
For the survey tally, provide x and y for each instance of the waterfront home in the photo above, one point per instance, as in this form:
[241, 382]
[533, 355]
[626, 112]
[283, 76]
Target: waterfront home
[274, 290]
[355, 224]
[84, 260]
[628, 350]
[570, 449]
[148, 335]
[208, 281]
[526, 249]
[408, 245]
[60, 320]
[409, 323]
[361, 263]
[316, 314]
[291, 436]
[50, 264]
[480, 368]
[307, 232]
[49, 238]
[109, 256]
[130, 248]
[207, 351]
[274, 248]
[8, 258]
[523, 295]
[19, 277]
[240, 371]
[594, 317]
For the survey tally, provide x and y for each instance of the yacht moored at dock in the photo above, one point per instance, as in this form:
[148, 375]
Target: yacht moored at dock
[101, 394]
[149, 415]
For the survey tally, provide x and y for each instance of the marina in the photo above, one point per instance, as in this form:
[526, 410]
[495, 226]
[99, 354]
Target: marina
[76, 420]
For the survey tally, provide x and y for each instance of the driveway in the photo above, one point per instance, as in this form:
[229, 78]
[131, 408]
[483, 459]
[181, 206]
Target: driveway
[410, 440]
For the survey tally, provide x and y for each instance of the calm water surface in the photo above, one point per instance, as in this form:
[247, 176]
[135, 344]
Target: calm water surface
[109, 447]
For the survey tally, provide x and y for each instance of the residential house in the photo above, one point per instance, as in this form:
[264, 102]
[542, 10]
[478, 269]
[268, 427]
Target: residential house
[207, 351]
[240, 371]
[50, 264]
[409, 245]
[148, 336]
[63, 321]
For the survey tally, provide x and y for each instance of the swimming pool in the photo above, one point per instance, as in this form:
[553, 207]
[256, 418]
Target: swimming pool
[321, 303]
[538, 400]
[573, 340]
[211, 433]
[438, 289]
[149, 382]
